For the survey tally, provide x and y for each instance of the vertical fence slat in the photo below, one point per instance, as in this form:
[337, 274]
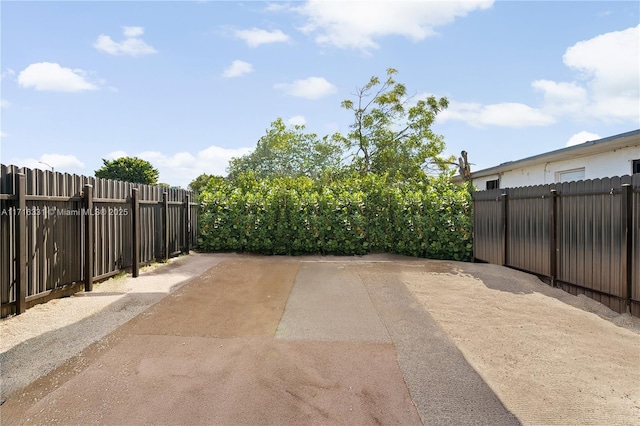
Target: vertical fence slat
[165, 225]
[135, 232]
[89, 240]
[635, 214]
[627, 220]
[505, 227]
[186, 223]
[21, 248]
[553, 252]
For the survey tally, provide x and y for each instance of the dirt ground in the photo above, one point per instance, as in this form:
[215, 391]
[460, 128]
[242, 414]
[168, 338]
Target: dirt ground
[234, 339]
[548, 361]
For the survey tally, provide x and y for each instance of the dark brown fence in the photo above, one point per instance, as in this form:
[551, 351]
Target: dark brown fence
[581, 236]
[59, 233]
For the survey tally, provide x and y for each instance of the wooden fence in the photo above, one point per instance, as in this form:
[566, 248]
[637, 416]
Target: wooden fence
[583, 237]
[59, 233]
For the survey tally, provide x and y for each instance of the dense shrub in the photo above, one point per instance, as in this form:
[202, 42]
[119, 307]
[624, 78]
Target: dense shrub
[430, 218]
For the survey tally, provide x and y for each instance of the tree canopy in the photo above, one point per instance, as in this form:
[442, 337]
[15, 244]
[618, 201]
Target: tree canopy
[391, 132]
[390, 135]
[200, 183]
[288, 152]
[128, 169]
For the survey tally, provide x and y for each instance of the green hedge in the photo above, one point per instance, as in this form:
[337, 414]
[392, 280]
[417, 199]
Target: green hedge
[431, 218]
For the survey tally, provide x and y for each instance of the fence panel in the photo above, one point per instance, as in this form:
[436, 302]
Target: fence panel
[149, 230]
[488, 226]
[591, 259]
[55, 226]
[635, 258]
[7, 248]
[113, 223]
[592, 226]
[529, 229]
[175, 217]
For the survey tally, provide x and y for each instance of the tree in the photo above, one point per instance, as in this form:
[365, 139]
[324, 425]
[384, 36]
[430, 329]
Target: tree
[288, 152]
[391, 133]
[128, 169]
[201, 182]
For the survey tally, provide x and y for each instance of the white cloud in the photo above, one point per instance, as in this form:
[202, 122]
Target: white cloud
[3, 134]
[297, 120]
[181, 168]
[582, 137]
[275, 7]
[606, 89]
[309, 88]
[256, 36]
[52, 77]
[562, 98]
[132, 45]
[60, 162]
[133, 31]
[502, 114]
[8, 73]
[237, 68]
[611, 64]
[355, 24]
[4, 103]
[214, 159]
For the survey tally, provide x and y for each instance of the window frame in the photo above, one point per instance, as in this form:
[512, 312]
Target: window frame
[560, 173]
[492, 182]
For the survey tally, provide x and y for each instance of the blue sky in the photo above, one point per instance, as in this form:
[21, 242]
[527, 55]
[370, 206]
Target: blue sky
[189, 84]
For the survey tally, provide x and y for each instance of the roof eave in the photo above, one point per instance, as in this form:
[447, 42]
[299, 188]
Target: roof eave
[622, 140]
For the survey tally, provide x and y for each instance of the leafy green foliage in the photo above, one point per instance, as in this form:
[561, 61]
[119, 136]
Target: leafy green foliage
[294, 195]
[288, 152]
[427, 217]
[392, 134]
[201, 182]
[128, 169]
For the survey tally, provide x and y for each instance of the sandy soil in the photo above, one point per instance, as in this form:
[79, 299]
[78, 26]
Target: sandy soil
[549, 362]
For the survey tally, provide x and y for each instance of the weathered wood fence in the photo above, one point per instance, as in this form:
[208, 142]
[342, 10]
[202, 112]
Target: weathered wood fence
[59, 233]
[583, 237]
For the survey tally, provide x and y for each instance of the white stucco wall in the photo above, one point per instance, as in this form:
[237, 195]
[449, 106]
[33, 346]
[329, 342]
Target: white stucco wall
[608, 164]
[481, 183]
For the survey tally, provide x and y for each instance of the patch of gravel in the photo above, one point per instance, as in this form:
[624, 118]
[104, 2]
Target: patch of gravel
[47, 335]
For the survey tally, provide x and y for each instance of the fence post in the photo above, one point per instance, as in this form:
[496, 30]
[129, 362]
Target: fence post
[553, 261]
[627, 221]
[135, 232]
[165, 223]
[505, 225]
[88, 237]
[473, 226]
[187, 223]
[21, 244]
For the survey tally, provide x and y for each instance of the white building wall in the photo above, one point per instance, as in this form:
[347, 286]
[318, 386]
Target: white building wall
[608, 164]
[481, 183]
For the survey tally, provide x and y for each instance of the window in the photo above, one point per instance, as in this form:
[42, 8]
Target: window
[493, 184]
[570, 175]
[636, 167]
